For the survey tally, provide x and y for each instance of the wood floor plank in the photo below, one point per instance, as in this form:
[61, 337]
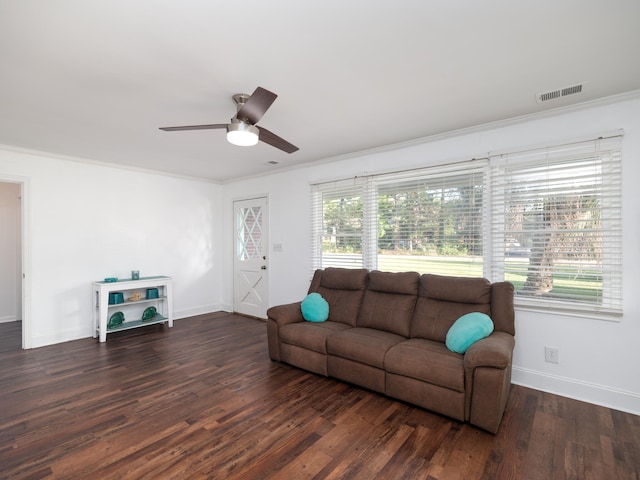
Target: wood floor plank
[203, 401]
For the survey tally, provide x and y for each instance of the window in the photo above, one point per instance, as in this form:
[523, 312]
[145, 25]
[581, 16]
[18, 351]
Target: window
[338, 224]
[426, 220]
[431, 222]
[557, 230]
[547, 220]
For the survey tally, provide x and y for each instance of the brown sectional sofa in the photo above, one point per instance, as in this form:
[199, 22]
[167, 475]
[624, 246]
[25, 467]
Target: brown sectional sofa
[386, 332]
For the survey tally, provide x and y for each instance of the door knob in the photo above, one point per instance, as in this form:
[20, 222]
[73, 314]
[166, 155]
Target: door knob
[263, 267]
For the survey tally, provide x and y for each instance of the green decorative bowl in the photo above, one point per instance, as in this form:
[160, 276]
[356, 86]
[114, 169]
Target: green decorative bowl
[111, 279]
[149, 314]
[115, 320]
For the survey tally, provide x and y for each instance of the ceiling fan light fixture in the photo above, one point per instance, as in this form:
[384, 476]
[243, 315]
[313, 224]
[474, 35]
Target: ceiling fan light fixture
[242, 130]
[242, 134]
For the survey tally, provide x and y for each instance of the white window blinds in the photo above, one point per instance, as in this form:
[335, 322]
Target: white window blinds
[338, 225]
[431, 221]
[547, 220]
[427, 220]
[556, 225]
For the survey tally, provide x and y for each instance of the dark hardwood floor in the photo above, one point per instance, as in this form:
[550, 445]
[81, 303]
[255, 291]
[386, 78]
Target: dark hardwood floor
[203, 400]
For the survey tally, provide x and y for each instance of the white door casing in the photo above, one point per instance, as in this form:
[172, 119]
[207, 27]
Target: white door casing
[250, 279]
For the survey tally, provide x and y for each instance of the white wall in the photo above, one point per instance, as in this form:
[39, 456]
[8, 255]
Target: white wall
[10, 291]
[598, 359]
[85, 222]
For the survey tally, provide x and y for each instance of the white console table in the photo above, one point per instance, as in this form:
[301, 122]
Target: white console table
[132, 309]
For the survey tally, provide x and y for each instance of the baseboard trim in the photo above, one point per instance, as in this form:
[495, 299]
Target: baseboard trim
[602, 395]
[8, 318]
[201, 310]
[61, 336]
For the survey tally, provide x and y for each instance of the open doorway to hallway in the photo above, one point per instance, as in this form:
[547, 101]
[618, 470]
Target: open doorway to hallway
[11, 264]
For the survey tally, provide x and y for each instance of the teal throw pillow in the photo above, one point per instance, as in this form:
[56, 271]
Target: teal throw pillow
[315, 308]
[467, 330]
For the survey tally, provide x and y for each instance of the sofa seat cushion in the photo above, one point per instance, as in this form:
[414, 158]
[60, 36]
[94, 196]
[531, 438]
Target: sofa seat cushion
[363, 345]
[312, 336]
[427, 361]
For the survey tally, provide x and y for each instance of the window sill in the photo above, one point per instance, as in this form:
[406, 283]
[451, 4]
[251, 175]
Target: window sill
[566, 310]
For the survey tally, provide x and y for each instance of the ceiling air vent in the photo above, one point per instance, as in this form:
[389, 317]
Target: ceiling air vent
[559, 93]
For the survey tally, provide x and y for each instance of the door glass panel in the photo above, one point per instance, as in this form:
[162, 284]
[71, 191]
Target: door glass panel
[249, 234]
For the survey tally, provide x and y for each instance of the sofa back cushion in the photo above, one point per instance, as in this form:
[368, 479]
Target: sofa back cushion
[442, 300]
[343, 289]
[389, 301]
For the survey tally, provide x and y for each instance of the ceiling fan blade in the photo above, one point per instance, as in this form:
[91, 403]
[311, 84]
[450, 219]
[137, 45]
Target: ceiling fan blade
[195, 127]
[255, 107]
[275, 141]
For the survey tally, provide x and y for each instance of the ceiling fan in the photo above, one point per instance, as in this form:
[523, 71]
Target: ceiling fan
[243, 130]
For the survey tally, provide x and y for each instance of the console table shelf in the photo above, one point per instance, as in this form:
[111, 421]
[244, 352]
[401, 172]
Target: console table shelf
[137, 323]
[132, 309]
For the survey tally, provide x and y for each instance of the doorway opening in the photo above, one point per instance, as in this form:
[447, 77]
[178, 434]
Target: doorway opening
[11, 271]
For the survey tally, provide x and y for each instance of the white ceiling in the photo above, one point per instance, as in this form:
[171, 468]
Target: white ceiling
[95, 79]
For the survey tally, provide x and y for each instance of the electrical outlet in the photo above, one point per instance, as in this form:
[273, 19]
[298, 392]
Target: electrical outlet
[551, 354]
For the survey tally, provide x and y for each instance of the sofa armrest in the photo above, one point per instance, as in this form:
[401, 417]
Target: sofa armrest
[495, 351]
[487, 365]
[277, 317]
[284, 314]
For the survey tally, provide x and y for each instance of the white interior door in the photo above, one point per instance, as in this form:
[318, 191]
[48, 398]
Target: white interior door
[250, 259]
